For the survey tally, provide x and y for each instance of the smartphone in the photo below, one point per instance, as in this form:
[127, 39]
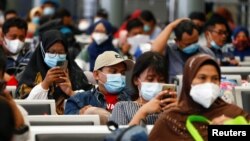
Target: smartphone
[63, 64]
[169, 87]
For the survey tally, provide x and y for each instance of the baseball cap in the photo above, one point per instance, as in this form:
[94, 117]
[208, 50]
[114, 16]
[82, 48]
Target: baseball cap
[110, 58]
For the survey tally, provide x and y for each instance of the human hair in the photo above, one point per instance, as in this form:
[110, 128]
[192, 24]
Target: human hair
[148, 60]
[197, 15]
[7, 120]
[186, 26]
[102, 13]
[133, 24]
[10, 11]
[14, 22]
[215, 19]
[62, 12]
[3, 63]
[148, 16]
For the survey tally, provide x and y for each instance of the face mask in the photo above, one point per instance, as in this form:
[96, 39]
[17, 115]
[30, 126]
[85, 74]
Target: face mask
[150, 90]
[241, 45]
[97, 19]
[190, 49]
[136, 40]
[36, 20]
[115, 83]
[214, 45]
[146, 28]
[52, 61]
[205, 94]
[48, 11]
[100, 37]
[14, 46]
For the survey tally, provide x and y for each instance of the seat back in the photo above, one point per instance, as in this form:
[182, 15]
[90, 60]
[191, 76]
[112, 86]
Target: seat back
[56, 120]
[38, 107]
[71, 137]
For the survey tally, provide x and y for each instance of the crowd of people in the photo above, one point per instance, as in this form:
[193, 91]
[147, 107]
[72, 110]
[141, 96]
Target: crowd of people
[125, 70]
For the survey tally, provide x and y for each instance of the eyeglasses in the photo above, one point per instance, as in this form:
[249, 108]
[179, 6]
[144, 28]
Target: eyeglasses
[52, 55]
[2, 85]
[220, 32]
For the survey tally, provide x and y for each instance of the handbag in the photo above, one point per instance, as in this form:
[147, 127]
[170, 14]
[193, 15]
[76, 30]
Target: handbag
[239, 120]
[131, 133]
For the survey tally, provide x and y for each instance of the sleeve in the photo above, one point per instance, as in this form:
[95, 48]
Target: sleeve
[72, 107]
[38, 93]
[118, 114]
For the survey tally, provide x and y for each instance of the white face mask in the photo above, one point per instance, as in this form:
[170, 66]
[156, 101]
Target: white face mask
[136, 40]
[150, 90]
[100, 37]
[205, 94]
[14, 46]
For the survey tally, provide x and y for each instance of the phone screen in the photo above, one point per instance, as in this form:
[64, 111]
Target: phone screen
[63, 64]
[169, 87]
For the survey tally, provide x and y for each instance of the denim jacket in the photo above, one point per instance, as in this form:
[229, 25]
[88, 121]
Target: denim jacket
[91, 97]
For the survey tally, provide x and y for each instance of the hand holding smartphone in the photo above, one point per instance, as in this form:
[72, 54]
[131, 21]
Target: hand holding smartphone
[63, 65]
[170, 88]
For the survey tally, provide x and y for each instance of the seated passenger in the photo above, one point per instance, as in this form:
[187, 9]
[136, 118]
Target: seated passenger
[14, 118]
[18, 55]
[102, 34]
[148, 75]
[109, 73]
[200, 95]
[43, 79]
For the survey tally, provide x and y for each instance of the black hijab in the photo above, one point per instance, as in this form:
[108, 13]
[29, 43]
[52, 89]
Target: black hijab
[37, 65]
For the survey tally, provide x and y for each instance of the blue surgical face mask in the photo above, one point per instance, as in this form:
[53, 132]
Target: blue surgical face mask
[52, 61]
[36, 20]
[49, 11]
[214, 45]
[149, 90]
[190, 49]
[146, 28]
[115, 83]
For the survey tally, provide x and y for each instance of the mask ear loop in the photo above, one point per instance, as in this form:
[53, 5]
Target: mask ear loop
[42, 50]
[140, 95]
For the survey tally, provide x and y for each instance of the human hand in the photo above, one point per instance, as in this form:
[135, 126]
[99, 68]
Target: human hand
[65, 84]
[158, 104]
[83, 109]
[169, 101]
[234, 62]
[52, 75]
[176, 22]
[220, 120]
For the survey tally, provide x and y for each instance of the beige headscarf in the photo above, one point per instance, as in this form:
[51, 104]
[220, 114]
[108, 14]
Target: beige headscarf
[171, 124]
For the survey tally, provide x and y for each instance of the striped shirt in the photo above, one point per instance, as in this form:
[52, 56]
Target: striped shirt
[124, 111]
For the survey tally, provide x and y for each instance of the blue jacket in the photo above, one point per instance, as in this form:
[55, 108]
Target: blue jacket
[91, 97]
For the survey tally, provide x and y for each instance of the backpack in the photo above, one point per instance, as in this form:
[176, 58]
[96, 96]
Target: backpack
[131, 133]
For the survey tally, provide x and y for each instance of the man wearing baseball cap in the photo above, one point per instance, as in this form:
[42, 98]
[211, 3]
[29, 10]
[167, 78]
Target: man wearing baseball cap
[109, 72]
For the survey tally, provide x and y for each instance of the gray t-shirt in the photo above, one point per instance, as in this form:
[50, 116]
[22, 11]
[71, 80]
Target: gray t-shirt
[176, 59]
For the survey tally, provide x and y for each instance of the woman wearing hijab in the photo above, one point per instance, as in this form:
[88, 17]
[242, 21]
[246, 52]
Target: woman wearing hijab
[43, 79]
[101, 33]
[241, 42]
[201, 79]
